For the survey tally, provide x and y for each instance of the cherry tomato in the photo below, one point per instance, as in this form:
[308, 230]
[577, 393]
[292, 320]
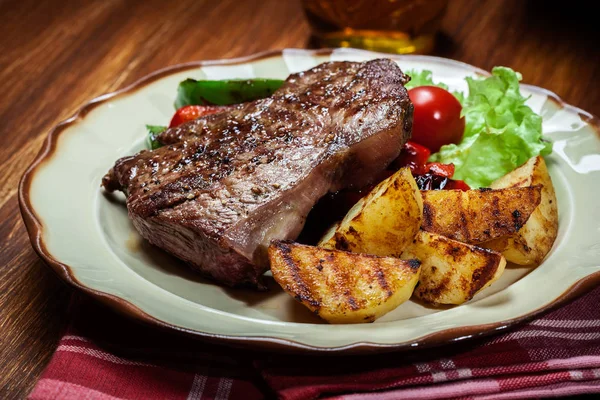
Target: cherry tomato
[436, 119]
[189, 113]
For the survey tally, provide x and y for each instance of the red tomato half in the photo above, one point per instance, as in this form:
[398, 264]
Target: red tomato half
[189, 113]
[436, 120]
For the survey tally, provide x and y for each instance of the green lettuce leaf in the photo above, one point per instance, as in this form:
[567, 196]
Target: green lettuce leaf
[153, 131]
[425, 78]
[501, 132]
[422, 78]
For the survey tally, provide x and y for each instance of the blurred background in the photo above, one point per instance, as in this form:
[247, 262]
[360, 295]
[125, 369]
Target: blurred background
[58, 39]
[394, 26]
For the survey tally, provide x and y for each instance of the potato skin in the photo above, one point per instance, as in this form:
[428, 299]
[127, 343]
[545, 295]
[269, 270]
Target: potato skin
[452, 272]
[532, 243]
[339, 286]
[383, 222]
[477, 216]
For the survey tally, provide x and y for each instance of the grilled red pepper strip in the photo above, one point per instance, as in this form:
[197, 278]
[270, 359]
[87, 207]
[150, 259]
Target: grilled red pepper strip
[456, 184]
[414, 156]
[440, 169]
[190, 113]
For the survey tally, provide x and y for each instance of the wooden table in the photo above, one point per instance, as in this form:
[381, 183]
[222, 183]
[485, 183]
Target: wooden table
[55, 55]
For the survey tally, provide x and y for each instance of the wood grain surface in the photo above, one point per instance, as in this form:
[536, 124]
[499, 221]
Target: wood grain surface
[55, 55]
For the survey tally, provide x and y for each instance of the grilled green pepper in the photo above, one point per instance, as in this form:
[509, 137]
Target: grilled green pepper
[225, 92]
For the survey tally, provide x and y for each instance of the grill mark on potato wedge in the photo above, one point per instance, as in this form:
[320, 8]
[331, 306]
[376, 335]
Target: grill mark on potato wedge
[347, 288]
[517, 220]
[414, 263]
[482, 275]
[428, 215]
[301, 290]
[382, 282]
[352, 302]
[478, 216]
[435, 291]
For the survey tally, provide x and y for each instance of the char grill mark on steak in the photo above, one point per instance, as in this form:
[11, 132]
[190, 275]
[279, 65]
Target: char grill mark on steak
[226, 184]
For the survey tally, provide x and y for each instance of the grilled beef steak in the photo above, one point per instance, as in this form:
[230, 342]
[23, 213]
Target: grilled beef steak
[225, 185]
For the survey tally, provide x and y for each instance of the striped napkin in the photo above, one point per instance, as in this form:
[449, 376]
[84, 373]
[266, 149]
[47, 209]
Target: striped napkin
[106, 356]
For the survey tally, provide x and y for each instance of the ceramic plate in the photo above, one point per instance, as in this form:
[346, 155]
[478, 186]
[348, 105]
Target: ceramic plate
[86, 237]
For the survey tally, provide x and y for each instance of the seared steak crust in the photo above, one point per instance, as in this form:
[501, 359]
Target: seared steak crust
[225, 185]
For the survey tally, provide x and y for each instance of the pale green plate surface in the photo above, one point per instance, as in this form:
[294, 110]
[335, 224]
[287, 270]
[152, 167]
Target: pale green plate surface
[88, 238]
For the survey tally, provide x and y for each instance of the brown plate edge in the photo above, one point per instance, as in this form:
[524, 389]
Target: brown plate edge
[35, 229]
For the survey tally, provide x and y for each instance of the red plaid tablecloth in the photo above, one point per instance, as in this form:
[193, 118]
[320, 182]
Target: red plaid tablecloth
[105, 356]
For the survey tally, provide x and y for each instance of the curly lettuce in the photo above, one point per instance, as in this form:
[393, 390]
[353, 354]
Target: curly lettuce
[501, 132]
[425, 78]
[422, 78]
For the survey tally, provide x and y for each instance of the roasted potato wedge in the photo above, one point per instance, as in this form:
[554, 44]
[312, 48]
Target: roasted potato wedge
[383, 222]
[452, 272]
[531, 244]
[477, 216]
[342, 287]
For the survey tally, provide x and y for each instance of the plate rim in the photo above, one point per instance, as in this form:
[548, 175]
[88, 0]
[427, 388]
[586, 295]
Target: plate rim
[35, 228]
